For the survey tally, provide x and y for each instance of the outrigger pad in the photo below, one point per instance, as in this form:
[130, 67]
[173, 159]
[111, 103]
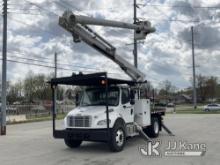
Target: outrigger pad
[145, 137]
[166, 129]
[142, 133]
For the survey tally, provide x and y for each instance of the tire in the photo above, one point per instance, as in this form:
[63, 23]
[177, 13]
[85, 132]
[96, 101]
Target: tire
[154, 129]
[72, 143]
[206, 110]
[118, 137]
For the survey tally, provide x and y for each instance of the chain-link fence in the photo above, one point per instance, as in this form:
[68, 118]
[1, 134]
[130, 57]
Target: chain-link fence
[36, 111]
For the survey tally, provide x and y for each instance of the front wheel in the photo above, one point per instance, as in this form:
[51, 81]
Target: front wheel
[118, 138]
[72, 143]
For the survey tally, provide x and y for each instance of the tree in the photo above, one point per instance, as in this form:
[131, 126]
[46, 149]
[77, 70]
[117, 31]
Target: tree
[206, 87]
[211, 87]
[147, 90]
[14, 92]
[37, 88]
[167, 90]
[200, 84]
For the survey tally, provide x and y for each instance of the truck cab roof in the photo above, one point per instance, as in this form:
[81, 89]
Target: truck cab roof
[94, 79]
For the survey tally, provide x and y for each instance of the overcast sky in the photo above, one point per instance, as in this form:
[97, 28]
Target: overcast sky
[33, 33]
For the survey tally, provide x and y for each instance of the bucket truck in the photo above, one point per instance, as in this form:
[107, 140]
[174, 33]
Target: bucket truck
[110, 110]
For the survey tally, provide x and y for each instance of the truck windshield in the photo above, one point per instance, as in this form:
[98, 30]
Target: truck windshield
[97, 96]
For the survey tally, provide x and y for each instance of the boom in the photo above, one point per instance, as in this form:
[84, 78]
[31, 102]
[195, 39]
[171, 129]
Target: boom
[77, 26]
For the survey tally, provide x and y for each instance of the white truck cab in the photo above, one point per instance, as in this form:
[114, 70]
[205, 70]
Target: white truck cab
[91, 112]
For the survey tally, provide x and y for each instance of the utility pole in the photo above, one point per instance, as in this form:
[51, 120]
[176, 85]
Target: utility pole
[194, 72]
[135, 41]
[4, 71]
[55, 65]
[55, 76]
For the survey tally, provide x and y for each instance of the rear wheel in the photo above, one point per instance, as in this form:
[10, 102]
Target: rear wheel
[118, 138]
[72, 143]
[154, 129]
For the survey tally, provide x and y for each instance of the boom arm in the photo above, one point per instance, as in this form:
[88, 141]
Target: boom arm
[77, 26]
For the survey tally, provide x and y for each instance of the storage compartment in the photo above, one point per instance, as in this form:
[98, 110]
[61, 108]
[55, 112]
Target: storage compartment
[142, 112]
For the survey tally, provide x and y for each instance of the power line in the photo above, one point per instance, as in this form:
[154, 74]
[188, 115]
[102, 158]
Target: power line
[73, 65]
[30, 59]
[40, 65]
[27, 11]
[180, 20]
[34, 55]
[22, 9]
[45, 58]
[24, 13]
[38, 6]
[68, 4]
[60, 4]
[48, 66]
[179, 6]
[36, 60]
[24, 23]
[77, 66]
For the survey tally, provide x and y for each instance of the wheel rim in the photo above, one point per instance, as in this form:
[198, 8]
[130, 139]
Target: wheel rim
[156, 127]
[119, 138]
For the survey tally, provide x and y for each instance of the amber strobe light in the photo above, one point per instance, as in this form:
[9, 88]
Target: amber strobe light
[103, 82]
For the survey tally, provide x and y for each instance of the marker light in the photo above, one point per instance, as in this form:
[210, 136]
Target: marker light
[103, 82]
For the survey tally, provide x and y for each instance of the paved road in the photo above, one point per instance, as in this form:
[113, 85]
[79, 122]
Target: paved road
[32, 144]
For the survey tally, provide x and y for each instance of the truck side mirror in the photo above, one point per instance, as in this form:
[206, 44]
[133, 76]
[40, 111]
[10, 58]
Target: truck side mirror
[132, 102]
[132, 97]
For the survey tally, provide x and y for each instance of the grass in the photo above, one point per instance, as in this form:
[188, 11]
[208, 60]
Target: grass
[184, 109]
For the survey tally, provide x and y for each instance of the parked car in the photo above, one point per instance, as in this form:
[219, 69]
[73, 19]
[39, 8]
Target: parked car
[170, 105]
[212, 107]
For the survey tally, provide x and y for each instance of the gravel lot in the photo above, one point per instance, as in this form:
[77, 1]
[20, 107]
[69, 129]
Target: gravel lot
[33, 144]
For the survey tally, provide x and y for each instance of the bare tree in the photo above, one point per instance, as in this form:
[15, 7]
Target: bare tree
[211, 87]
[167, 90]
[206, 87]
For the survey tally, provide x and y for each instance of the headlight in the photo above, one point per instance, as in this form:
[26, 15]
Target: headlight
[103, 122]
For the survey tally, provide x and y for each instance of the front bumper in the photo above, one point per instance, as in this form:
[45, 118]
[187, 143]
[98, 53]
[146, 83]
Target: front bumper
[101, 135]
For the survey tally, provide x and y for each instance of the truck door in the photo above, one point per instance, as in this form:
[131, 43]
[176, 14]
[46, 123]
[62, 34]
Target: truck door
[127, 110]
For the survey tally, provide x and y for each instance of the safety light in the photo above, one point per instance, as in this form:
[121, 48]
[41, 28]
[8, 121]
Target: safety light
[103, 82]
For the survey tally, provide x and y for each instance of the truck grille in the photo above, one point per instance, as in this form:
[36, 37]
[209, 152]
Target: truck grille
[79, 121]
